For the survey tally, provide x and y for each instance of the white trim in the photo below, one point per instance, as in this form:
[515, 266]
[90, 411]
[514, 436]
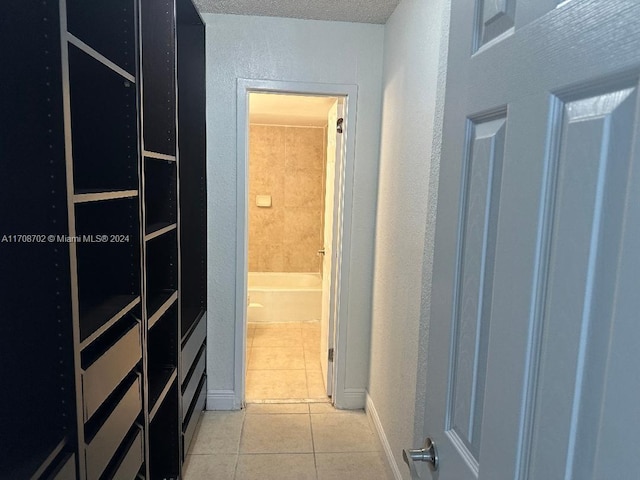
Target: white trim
[342, 398]
[372, 415]
[221, 400]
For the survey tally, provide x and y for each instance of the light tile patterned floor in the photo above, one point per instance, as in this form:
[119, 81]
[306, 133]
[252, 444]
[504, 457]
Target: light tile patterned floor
[290, 441]
[281, 441]
[283, 362]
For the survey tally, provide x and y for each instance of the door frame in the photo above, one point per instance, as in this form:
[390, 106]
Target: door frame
[342, 227]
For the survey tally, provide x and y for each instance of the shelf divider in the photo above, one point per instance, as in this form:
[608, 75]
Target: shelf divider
[158, 156]
[153, 319]
[169, 376]
[99, 196]
[158, 229]
[73, 40]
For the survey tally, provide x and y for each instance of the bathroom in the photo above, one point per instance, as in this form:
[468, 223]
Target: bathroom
[287, 182]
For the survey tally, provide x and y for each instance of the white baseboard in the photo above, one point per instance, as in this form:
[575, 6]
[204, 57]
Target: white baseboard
[222, 400]
[372, 414]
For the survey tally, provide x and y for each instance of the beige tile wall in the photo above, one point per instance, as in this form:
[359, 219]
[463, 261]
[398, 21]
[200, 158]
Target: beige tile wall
[287, 163]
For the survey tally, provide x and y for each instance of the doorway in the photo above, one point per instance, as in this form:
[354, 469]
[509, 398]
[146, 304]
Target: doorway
[292, 237]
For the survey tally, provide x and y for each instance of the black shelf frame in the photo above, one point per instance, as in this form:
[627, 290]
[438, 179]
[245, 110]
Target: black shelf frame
[192, 166]
[99, 77]
[37, 327]
[192, 147]
[161, 235]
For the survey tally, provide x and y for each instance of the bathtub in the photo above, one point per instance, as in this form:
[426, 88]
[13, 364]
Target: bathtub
[283, 297]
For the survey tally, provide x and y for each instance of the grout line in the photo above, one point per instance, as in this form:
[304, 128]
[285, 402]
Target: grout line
[313, 445]
[235, 468]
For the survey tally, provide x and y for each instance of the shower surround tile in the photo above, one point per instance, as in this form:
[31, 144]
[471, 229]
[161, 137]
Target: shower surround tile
[287, 163]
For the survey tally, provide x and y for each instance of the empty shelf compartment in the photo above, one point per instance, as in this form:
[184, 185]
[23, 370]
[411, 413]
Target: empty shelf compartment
[160, 194]
[103, 126]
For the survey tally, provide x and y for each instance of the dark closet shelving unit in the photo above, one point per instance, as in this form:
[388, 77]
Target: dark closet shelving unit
[161, 237]
[103, 166]
[102, 156]
[38, 421]
[193, 214]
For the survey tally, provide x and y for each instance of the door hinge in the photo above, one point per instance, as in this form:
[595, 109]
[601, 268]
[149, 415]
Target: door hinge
[339, 125]
[331, 354]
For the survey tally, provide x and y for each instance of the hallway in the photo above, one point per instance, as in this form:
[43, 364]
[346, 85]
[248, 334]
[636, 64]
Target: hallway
[297, 441]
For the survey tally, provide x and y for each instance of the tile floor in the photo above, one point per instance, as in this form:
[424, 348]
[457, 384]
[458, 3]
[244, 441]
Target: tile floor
[288, 441]
[283, 362]
[288, 431]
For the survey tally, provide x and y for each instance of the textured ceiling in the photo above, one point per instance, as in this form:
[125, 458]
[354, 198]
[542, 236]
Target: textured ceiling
[361, 11]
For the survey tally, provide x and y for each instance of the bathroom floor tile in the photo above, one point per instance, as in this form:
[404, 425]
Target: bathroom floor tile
[276, 384]
[311, 334]
[279, 326]
[276, 408]
[277, 338]
[274, 358]
[276, 433]
[315, 384]
[276, 467]
[284, 347]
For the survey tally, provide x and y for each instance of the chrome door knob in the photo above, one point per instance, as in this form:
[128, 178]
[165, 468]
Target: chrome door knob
[427, 454]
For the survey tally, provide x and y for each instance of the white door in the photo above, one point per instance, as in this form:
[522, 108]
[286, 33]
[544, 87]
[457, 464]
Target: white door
[329, 267]
[532, 369]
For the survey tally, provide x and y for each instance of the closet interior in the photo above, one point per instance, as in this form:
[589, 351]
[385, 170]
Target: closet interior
[103, 241]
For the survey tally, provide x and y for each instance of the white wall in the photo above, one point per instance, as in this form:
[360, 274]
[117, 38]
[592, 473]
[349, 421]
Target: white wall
[409, 159]
[296, 51]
